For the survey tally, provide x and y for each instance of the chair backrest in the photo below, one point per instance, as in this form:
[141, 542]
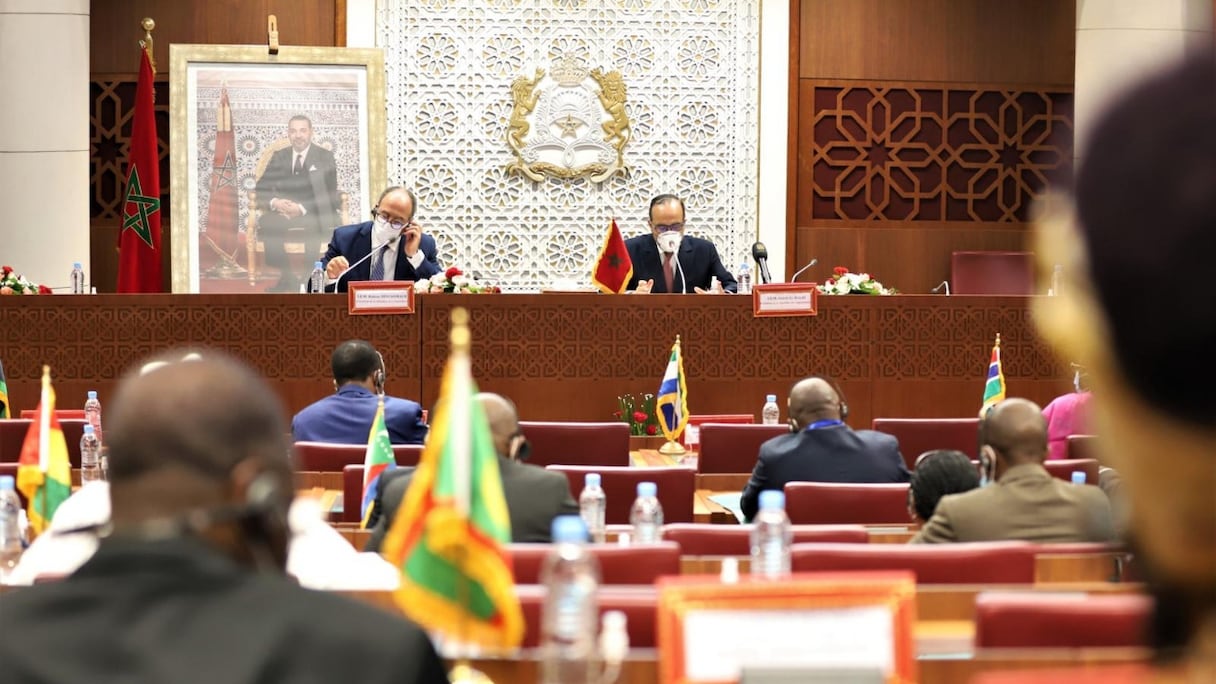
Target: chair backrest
[332, 458]
[971, 563]
[577, 443]
[11, 469]
[677, 488]
[692, 431]
[992, 273]
[638, 603]
[835, 503]
[733, 448]
[1063, 469]
[74, 414]
[13, 431]
[918, 435]
[352, 493]
[1041, 620]
[634, 564]
[1083, 446]
[697, 539]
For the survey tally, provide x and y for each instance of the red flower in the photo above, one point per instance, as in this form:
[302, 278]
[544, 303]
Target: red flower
[639, 416]
[616, 414]
[43, 289]
[652, 429]
[498, 290]
[840, 270]
[7, 270]
[452, 273]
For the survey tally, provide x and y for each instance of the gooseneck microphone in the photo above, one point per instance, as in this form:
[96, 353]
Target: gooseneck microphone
[365, 257]
[803, 269]
[760, 254]
[944, 284]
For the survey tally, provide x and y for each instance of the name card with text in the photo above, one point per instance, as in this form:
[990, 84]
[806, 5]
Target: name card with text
[785, 299]
[380, 297]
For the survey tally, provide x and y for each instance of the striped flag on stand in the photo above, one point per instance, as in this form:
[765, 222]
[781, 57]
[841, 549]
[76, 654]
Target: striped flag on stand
[994, 387]
[672, 401]
[379, 458]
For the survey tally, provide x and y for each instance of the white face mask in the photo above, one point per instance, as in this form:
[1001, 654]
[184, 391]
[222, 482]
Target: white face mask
[382, 231]
[670, 242]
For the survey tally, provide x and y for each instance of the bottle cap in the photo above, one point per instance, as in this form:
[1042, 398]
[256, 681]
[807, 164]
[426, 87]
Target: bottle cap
[6, 483]
[76, 265]
[1078, 477]
[647, 489]
[591, 480]
[770, 398]
[772, 499]
[569, 529]
[92, 394]
[88, 429]
[318, 264]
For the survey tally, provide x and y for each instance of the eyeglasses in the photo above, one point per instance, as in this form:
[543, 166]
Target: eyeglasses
[395, 224]
[670, 228]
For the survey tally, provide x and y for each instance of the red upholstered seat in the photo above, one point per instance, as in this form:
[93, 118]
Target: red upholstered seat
[1065, 467]
[61, 414]
[332, 458]
[833, 503]
[637, 602]
[634, 564]
[352, 492]
[733, 448]
[13, 431]
[735, 540]
[1042, 620]
[577, 443]
[677, 487]
[691, 437]
[972, 563]
[918, 435]
[1083, 446]
[992, 273]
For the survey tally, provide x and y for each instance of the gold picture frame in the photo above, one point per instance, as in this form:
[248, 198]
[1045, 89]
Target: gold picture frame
[242, 98]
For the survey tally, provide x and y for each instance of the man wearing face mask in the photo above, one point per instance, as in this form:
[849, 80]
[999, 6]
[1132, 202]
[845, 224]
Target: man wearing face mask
[668, 261]
[390, 247]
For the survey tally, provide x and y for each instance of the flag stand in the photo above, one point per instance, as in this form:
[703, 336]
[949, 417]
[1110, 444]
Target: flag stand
[672, 448]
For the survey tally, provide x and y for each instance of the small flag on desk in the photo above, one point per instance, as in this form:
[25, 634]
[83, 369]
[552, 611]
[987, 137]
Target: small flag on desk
[44, 474]
[672, 402]
[613, 267]
[378, 459]
[5, 411]
[994, 387]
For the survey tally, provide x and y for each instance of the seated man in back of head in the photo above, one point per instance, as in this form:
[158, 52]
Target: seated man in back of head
[188, 583]
[821, 448]
[345, 417]
[1023, 501]
[535, 496]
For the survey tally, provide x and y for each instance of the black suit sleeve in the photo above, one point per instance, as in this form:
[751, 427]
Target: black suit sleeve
[749, 502]
[719, 271]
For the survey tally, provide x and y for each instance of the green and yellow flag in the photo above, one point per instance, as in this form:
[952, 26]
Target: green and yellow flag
[5, 411]
[448, 534]
[44, 474]
[994, 386]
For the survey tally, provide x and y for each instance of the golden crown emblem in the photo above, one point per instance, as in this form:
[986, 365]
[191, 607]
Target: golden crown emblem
[569, 71]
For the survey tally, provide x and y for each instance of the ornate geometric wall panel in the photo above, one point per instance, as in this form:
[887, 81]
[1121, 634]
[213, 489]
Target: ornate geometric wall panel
[691, 70]
[908, 152]
[113, 107]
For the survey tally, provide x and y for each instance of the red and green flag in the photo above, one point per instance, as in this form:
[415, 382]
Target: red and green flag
[994, 386]
[449, 533]
[140, 239]
[613, 267]
[5, 410]
[221, 230]
[44, 474]
[378, 459]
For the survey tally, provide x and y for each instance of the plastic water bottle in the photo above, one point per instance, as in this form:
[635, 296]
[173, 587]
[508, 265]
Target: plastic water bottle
[92, 413]
[771, 413]
[570, 613]
[646, 516]
[316, 281]
[90, 456]
[771, 536]
[1078, 477]
[11, 540]
[744, 279]
[77, 278]
[592, 504]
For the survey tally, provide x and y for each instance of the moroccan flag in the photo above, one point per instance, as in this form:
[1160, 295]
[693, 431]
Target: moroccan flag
[379, 458]
[43, 472]
[5, 411]
[448, 534]
[613, 267]
[994, 387]
[139, 241]
[672, 401]
[222, 226]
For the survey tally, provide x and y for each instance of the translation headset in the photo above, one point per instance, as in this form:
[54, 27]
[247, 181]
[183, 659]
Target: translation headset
[987, 455]
[378, 378]
[519, 447]
[842, 407]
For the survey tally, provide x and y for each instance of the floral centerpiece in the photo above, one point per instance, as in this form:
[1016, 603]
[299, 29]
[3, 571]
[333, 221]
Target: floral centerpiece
[842, 282]
[11, 283]
[455, 281]
[639, 412]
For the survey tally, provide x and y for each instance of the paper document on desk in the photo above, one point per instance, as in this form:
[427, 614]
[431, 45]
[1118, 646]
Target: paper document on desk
[731, 503]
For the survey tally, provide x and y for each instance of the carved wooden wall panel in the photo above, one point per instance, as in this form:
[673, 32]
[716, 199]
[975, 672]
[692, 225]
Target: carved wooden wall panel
[113, 109]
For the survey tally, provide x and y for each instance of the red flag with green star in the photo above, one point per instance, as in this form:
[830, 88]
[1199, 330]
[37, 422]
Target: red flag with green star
[139, 241]
[613, 267]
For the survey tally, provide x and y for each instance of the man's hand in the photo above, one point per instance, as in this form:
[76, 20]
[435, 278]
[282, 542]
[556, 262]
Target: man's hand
[288, 208]
[335, 266]
[643, 287]
[716, 288]
[413, 238]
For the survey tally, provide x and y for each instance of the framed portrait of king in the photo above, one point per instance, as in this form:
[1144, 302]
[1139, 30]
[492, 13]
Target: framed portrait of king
[270, 154]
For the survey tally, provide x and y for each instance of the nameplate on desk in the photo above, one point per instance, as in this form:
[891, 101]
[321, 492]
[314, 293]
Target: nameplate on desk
[380, 297]
[785, 299]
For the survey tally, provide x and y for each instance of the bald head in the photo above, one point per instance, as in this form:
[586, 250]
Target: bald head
[1017, 430]
[503, 420]
[814, 399]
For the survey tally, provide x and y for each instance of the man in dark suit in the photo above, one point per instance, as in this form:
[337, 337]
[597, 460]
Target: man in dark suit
[298, 190]
[821, 448]
[345, 417]
[535, 496]
[403, 252]
[1023, 501]
[668, 261]
[189, 583]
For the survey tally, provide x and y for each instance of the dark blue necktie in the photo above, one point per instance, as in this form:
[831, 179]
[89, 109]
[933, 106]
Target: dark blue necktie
[378, 264]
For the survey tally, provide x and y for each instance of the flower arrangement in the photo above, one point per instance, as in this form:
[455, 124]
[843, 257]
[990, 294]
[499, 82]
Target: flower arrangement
[455, 281]
[639, 413]
[842, 282]
[13, 284]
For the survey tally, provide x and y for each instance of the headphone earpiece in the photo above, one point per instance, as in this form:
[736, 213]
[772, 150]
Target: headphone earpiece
[521, 449]
[378, 378]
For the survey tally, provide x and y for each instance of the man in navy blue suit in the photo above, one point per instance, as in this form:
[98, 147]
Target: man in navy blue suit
[345, 417]
[402, 251]
[668, 261]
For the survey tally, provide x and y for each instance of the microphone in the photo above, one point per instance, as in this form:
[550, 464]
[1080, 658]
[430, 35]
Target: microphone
[760, 254]
[365, 257]
[944, 284]
[803, 269]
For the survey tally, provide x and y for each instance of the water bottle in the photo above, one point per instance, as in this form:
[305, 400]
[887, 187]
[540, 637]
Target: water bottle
[771, 536]
[570, 613]
[92, 413]
[592, 504]
[646, 516]
[316, 281]
[1078, 477]
[77, 278]
[745, 279]
[771, 413]
[90, 457]
[11, 541]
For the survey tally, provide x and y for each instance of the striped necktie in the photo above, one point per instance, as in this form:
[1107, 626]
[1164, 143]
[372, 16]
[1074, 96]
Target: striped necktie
[378, 264]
